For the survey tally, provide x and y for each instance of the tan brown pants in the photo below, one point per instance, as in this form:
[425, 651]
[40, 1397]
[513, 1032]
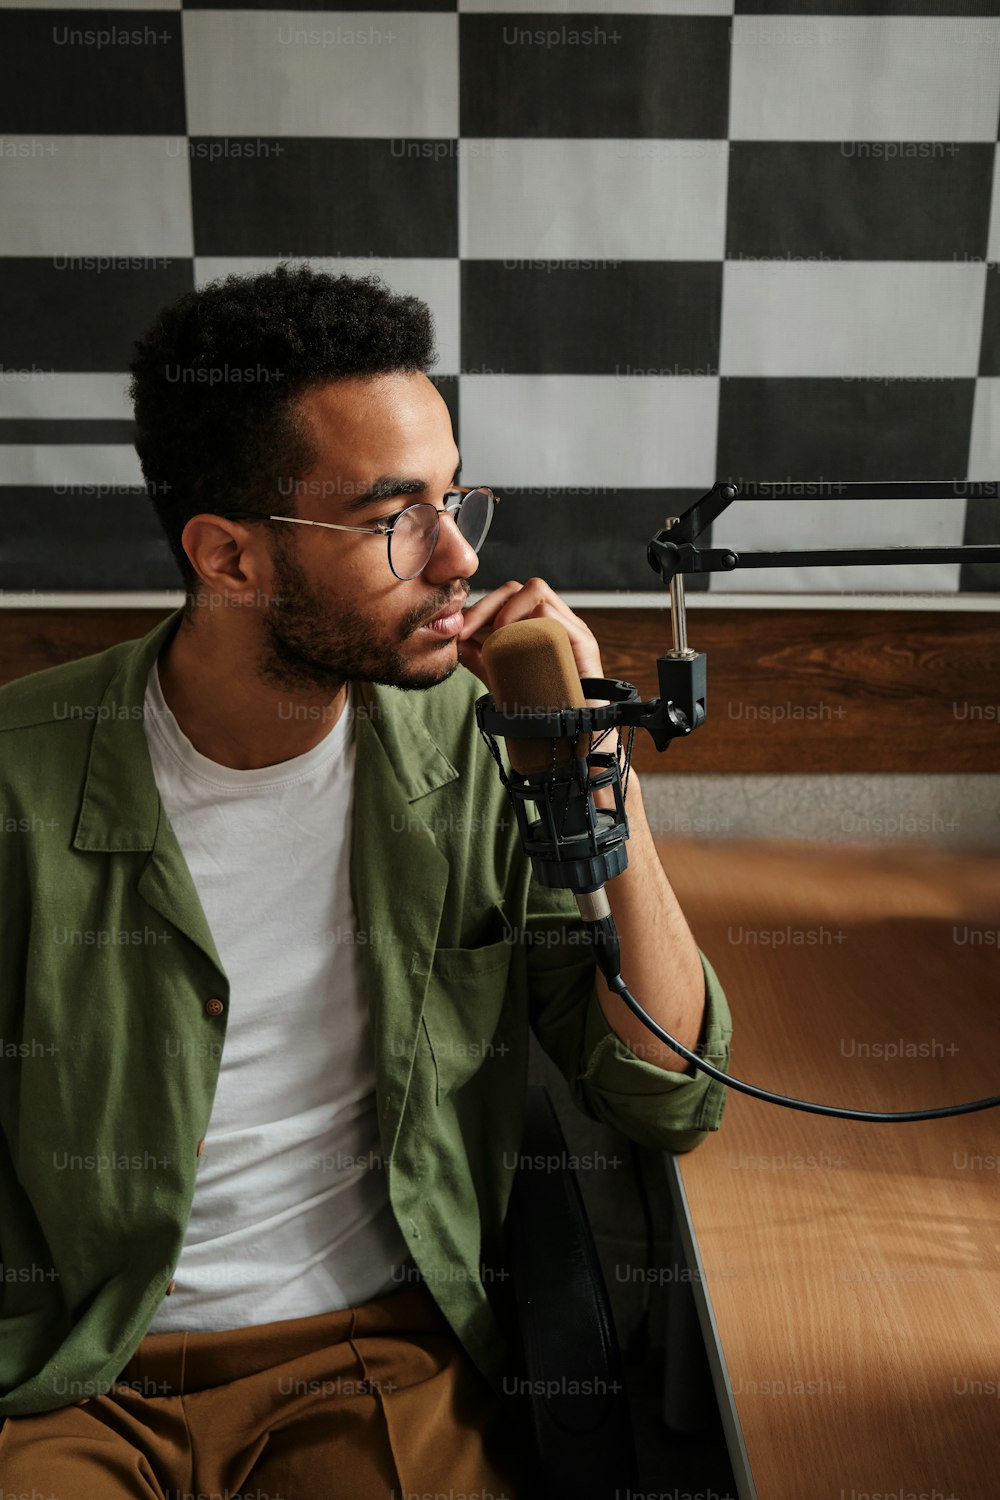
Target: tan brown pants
[377, 1402]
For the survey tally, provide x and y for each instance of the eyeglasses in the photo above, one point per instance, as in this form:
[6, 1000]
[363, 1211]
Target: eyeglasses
[412, 533]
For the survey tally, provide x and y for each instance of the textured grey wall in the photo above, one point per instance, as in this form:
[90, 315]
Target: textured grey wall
[943, 810]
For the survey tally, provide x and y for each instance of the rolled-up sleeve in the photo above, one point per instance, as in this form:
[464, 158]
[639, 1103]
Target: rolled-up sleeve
[651, 1105]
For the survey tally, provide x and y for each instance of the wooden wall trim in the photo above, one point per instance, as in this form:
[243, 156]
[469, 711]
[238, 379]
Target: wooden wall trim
[788, 690]
[824, 690]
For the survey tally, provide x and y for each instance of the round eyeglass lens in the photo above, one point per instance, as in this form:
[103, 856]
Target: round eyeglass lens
[412, 540]
[413, 536]
[473, 519]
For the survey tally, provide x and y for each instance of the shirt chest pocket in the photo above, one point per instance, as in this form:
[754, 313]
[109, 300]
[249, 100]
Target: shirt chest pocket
[465, 995]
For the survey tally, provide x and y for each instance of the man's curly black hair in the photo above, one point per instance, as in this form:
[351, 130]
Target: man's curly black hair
[215, 381]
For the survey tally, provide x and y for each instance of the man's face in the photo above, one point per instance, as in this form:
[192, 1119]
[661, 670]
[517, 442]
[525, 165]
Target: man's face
[337, 612]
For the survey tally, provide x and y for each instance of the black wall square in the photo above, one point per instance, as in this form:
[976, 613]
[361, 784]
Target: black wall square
[91, 72]
[859, 200]
[989, 355]
[617, 318]
[524, 75]
[292, 196]
[81, 319]
[65, 430]
[447, 385]
[106, 541]
[811, 429]
[982, 529]
[583, 539]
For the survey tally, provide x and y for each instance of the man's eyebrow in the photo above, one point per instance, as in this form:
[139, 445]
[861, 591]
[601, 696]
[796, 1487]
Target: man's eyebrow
[387, 486]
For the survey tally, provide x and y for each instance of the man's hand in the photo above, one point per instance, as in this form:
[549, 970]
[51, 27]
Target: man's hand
[533, 600]
[642, 902]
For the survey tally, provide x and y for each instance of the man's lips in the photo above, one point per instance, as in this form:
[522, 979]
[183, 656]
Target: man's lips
[447, 621]
[453, 608]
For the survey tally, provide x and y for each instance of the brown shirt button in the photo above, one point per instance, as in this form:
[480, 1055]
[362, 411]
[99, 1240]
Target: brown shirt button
[170, 1286]
[214, 1007]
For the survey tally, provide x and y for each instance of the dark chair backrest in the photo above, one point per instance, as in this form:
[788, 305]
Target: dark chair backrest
[573, 1369]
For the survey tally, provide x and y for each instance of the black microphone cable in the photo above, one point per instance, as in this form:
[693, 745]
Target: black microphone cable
[605, 939]
[601, 927]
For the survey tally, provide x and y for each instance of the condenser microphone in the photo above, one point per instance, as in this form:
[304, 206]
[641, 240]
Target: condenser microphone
[531, 672]
[531, 669]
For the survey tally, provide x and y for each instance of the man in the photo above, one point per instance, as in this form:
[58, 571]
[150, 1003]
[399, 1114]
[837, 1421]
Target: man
[272, 823]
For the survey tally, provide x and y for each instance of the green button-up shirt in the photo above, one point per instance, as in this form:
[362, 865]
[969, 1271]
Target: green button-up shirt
[114, 1007]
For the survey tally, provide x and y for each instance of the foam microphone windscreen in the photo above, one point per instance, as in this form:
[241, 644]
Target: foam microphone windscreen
[530, 666]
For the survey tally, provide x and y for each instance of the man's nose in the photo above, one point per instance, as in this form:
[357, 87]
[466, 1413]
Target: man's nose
[452, 556]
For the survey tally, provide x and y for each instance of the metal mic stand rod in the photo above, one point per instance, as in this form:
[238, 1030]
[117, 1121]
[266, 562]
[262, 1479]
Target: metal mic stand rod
[672, 553]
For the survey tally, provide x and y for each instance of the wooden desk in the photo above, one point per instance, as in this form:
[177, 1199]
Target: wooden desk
[851, 1271]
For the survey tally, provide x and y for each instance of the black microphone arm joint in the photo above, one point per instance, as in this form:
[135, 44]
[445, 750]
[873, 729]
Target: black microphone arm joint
[680, 709]
[672, 551]
[673, 559]
[683, 673]
[683, 697]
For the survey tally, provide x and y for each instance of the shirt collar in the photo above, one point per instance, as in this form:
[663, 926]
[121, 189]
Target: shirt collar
[120, 808]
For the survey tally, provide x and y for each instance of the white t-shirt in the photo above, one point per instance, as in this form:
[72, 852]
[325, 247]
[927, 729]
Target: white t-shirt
[291, 1215]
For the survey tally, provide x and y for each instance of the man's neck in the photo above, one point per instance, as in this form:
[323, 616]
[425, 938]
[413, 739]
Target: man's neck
[229, 715]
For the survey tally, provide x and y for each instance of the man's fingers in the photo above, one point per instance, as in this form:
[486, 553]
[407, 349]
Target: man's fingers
[471, 657]
[484, 609]
[516, 602]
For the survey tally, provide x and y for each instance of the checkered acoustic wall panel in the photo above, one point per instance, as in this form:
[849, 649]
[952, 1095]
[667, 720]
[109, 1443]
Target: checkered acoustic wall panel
[664, 243]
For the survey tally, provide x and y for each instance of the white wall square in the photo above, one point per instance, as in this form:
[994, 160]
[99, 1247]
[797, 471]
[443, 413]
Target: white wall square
[95, 195]
[984, 447]
[57, 395]
[436, 282]
[69, 464]
[621, 199]
[321, 73]
[904, 319]
[802, 522]
[993, 245]
[587, 430]
[865, 78]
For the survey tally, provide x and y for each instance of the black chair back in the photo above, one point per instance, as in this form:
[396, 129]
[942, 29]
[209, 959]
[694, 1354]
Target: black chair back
[578, 1404]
